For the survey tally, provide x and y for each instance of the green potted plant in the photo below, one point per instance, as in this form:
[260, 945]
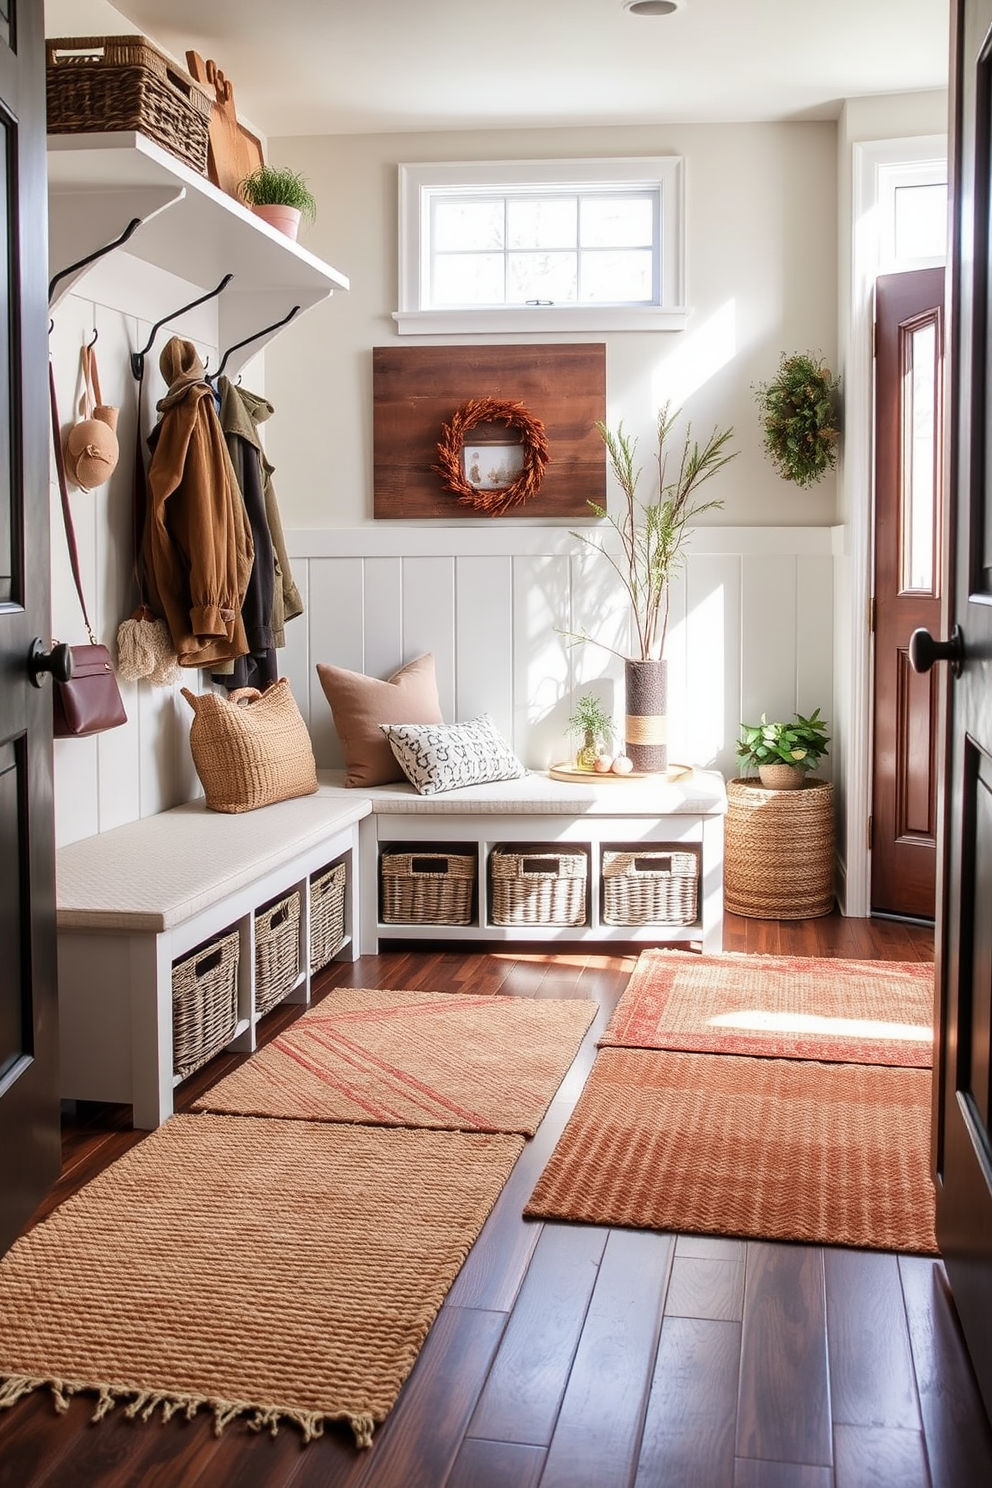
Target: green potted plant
[652, 536]
[782, 753]
[799, 418]
[595, 726]
[279, 196]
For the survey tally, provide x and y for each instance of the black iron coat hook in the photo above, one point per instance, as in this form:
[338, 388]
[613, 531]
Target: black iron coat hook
[254, 337]
[81, 263]
[138, 357]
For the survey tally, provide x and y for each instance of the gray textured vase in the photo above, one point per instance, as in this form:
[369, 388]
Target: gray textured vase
[646, 721]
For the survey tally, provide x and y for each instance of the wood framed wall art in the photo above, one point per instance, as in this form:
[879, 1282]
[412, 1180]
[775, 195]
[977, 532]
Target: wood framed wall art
[488, 431]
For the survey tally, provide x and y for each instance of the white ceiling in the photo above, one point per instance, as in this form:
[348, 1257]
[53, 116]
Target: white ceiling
[347, 66]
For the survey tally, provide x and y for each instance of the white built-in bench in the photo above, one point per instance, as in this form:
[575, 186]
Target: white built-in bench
[135, 900]
[610, 813]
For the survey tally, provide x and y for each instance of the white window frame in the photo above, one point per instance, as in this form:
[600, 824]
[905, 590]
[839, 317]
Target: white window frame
[419, 182]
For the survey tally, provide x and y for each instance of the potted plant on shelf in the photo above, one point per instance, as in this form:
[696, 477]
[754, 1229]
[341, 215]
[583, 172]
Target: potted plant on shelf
[783, 753]
[799, 418]
[595, 726]
[279, 196]
[652, 537]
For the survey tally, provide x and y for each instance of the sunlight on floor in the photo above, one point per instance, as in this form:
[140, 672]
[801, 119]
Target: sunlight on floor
[809, 1023]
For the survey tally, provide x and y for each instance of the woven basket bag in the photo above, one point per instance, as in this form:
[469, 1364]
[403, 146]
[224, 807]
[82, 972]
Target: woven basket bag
[250, 748]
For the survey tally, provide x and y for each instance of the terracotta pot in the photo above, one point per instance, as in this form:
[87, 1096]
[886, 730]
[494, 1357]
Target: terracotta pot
[780, 777]
[646, 721]
[283, 219]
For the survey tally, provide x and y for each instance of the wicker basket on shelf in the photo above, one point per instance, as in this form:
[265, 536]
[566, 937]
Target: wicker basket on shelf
[427, 888]
[779, 851]
[100, 84]
[650, 888]
[277, 951]
[538, 888]
[204, 1002]
[327, 914]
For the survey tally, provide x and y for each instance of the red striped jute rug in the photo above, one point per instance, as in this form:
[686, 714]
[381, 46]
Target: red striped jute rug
[783, 1007]
[832, 1154]
[281, 1270]
[432, 1059]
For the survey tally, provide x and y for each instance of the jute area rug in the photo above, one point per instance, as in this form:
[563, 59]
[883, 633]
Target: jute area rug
[428, 1059]
[833, 1154]
[862, 1012]
[279, 1269]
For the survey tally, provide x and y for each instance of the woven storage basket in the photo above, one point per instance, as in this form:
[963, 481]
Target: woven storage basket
[779, 851]
[542, 888]
[650, 888]
[100, 84]
[277, 951]
[327, 914]
[427, 888]
[250, 748]
[204, 1003]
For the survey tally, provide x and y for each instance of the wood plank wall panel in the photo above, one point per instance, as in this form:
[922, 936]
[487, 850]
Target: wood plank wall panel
[540, 662]
[768, 661]
[337, 597]
[428, 620]
[417, 389]
[484, 639]
[382, 616]
[705, 724]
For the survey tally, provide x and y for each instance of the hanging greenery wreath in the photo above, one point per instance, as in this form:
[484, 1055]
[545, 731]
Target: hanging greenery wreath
[799, 419]
[451, 454]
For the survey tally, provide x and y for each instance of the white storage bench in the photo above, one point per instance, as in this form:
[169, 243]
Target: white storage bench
[137, 901]
[653, 822]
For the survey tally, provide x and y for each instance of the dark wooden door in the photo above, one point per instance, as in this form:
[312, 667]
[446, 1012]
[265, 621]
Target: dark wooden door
[909, 389]
[963, 1150]
[29, 1107]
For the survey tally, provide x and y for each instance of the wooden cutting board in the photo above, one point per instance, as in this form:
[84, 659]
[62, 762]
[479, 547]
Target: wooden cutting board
[233, 151]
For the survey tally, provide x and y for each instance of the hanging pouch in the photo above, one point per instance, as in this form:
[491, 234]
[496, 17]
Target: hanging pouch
[91, 449]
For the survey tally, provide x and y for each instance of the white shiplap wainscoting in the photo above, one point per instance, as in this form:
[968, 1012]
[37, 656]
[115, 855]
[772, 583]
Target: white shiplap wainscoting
[750, 629]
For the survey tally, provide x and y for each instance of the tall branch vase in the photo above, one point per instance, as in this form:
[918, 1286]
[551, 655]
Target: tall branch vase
[646, 721]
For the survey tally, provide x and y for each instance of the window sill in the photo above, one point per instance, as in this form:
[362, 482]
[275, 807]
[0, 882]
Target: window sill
[584, 318]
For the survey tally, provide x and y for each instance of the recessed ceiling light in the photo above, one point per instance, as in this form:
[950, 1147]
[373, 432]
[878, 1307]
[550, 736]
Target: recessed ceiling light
[652, 7]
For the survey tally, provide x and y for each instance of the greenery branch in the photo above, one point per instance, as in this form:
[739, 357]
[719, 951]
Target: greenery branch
[653, 534]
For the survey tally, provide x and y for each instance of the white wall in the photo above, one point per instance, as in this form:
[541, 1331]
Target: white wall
[761, 270]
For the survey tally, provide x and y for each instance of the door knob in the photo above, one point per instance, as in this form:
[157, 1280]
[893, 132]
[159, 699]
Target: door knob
[58, 661]
[924, 650]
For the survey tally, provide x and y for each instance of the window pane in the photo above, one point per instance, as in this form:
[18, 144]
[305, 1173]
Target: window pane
[617, 222]
[468, 224]
[919, 477]
[621, 278]
[541, 276]
[541, 223]
[468, 279]
[921, 221]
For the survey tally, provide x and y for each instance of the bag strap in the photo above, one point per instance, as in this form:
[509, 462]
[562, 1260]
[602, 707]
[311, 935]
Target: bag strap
[70, 531]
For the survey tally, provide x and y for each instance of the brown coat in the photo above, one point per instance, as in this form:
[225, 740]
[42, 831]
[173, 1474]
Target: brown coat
[198, 547]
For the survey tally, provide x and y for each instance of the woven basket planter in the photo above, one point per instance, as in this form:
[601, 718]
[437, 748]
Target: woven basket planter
[538, 888]
[650, 888]
[327, 915]
[204, 1003]
[111, 83]
[779, 851]
[277, 951]
[427, 888]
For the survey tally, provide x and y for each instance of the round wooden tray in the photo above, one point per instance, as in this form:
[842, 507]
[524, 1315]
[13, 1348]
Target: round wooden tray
[573, 774]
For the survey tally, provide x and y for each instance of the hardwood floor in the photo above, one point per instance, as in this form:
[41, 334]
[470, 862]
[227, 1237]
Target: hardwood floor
[577, 1357]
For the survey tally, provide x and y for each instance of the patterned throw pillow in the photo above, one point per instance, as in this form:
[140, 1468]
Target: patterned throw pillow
[441, 757]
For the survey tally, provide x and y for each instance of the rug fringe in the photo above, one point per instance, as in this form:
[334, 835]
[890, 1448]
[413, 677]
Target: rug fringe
[142, 1405]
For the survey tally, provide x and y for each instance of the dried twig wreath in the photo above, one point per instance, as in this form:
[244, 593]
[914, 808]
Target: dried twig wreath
[451, 445]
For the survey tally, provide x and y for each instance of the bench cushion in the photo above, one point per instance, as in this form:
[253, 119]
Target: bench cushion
[701, 793]
[155, 873]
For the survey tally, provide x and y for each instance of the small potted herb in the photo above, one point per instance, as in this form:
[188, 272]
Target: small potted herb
[782, 753]
[279, 196]
[595, 725]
